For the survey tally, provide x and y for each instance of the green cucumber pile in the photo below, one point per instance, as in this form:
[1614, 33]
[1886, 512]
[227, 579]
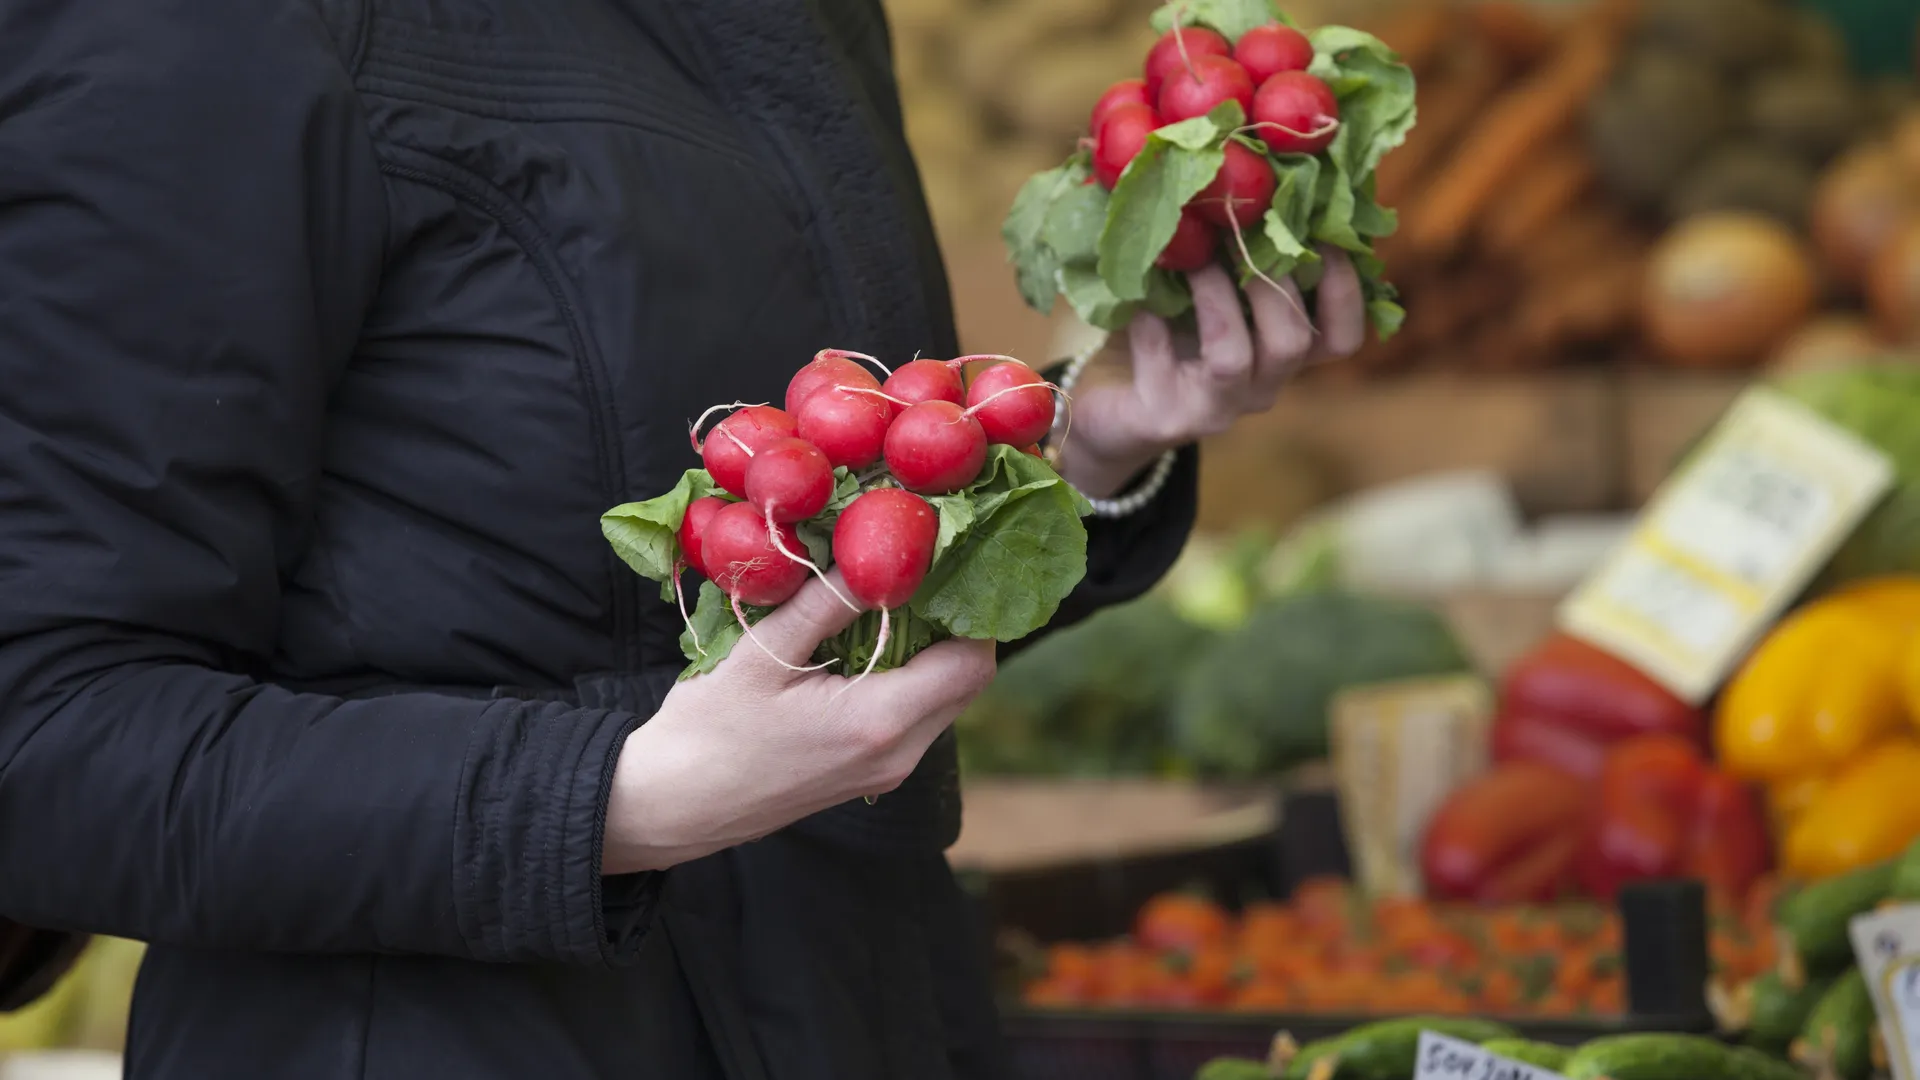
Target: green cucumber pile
[1389, 1050]
[1246, 140]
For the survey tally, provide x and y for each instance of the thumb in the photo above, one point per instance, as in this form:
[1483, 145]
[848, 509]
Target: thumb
[794, 629]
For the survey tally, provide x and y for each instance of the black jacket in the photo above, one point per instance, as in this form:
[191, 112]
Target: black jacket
[328, 328]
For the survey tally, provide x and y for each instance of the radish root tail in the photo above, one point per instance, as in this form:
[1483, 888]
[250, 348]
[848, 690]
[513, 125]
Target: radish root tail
[844, 354]
[1180, 40]
[1240, 240]
[693, 429]
[997, 394]
[773, 534]
[878, 394]
[747, 627]
[680, 598]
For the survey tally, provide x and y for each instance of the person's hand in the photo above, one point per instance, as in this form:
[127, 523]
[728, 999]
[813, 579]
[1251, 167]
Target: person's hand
[754, 746]
[1182, 391]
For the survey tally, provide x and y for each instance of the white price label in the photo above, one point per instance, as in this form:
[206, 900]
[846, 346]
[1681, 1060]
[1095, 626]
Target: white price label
[1887, 945]
[1446, 1058]
[1727, 542]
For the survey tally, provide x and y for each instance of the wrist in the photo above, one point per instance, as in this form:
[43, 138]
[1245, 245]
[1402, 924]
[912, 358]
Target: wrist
[645, 828]
[1099, 474]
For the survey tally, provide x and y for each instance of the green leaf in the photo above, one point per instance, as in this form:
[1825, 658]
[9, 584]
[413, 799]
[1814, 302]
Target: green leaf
[1073, 225]
[1370, 219]
[719, 631]
[1231, 18]
[1176, 163]
[1167, 294]
[1035, 262]
[1090, 298]
[1386, 317]
[956, 517]
[1002, 574]
[1006, 577]
[1376, 94]
[1333, 218]
[643, 534]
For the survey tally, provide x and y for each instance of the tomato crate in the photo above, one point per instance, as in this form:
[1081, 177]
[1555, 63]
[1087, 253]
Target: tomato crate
[1662, 969]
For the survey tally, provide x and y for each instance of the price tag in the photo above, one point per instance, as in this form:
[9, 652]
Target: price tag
[1727, 542]
[1398, 750]
[1887, 945]
[1445, 1058]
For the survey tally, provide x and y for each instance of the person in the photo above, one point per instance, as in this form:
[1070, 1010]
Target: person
[328, 329]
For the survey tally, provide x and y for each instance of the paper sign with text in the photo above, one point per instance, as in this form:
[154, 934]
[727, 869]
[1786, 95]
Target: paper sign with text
[1445, 1058]
[1887, 945]
[1728, 541]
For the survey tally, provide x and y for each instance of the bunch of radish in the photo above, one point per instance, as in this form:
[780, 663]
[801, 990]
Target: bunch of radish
[847, 451]
[1243, 139]
[1190, 72]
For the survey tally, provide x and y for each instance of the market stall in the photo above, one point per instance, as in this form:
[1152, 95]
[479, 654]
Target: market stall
[1541, 690]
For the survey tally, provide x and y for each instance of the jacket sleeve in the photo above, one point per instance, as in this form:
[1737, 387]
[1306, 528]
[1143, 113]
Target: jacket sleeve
[191, 228]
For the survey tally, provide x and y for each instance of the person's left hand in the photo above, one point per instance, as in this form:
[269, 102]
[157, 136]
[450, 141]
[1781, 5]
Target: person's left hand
[1184, 391]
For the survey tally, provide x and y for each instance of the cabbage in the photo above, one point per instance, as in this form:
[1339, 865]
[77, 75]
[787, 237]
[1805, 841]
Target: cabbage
[1879, 402]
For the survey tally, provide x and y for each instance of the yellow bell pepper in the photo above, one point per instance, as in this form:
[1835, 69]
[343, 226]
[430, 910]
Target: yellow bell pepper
[1788, 799]
[1869, 811]
[1822, 687]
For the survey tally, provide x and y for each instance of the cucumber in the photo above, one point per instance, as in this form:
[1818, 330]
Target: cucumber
[1528, 1052]
[1658, 1057]
[1780, 1011]
[1233, 1069]
[1751, 1064]
[1837, 1041]
[1815, 919]
[1387, 1049]
[1906, 875]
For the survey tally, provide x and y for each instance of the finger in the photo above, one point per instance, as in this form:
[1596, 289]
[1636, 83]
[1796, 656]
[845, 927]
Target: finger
[794, 629]
[1225, 346]
[1342, 308]
[1150, 340]
[1284, 331]
[933, 687]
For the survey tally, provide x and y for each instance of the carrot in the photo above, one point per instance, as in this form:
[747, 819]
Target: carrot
[1523, 118]
[1536, 197]
[1448, 101]
[1598, 301]
[1515, 30]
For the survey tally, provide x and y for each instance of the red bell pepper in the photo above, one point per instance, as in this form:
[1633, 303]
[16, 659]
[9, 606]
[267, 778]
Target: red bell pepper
[1566, 702]
[1510, 835]
[1664, 812]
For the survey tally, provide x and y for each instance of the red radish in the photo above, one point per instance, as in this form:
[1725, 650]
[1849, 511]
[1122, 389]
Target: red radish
[733, 442]
[1120, 139]
[883, 544]
[847, 424]
[789, 480]
[1009, 414]
[926, 380]
[934, 448]
[1241, 192]
[829, 368]
[1295, 113]
[693, 525]
[1124, 92]
[1192, 245]
[745, 560]
[1176, 49]
[1212, 81]
[1266, 51]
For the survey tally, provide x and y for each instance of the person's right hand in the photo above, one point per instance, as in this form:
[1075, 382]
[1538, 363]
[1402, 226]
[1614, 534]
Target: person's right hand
[753, 746]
